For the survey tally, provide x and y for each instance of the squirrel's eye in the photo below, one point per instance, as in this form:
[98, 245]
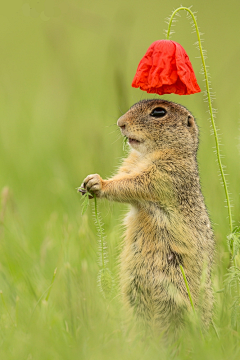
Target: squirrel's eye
[158, 112]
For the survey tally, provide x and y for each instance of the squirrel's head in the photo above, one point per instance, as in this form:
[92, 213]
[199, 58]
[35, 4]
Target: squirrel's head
[159, 124]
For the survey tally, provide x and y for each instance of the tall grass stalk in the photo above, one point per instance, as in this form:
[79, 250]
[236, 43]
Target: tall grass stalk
[187, 287]
[6, 308]
[47, 291]
[53, 278]
[190, 297]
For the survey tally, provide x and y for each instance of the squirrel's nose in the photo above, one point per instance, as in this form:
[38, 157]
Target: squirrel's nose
[121, 122]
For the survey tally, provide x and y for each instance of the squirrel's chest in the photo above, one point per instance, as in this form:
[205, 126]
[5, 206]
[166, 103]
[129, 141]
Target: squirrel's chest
[147, 240]
[148, 221]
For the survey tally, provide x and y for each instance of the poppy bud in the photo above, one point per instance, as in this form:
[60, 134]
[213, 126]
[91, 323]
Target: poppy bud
[166, 69]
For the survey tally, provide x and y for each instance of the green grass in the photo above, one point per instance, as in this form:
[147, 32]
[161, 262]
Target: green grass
[63, 84]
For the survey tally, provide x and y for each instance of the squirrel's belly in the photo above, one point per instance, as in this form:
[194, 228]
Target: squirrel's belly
[150, 273]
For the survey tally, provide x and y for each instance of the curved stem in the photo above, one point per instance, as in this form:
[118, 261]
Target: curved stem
[210, 108]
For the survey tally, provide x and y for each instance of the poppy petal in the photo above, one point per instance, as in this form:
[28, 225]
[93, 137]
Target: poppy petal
[166, 69]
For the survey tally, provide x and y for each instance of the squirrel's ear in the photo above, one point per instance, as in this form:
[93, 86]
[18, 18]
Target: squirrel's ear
[190, 121]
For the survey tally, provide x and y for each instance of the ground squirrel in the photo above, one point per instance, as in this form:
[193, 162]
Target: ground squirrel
[168, 224]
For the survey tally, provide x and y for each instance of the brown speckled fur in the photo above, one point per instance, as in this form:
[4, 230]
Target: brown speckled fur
[168, 223]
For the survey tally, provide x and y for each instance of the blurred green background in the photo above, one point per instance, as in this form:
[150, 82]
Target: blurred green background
[66, 69]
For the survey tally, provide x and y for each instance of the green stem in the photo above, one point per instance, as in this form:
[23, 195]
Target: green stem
[4, 304]
[190, 297]
[210, 107]
[237, 285]
[53, 278]
[215, 329]
[187, 286]
[100, 231]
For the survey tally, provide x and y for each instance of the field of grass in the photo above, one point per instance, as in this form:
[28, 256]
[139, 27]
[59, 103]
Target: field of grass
[65, 77]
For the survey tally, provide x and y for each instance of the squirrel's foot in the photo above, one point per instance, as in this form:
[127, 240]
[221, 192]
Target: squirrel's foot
[93, 184]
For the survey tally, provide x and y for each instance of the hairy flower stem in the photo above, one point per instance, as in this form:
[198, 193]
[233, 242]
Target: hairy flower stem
[105, 278]
[233, 258]
[100, 229]
[210, 108]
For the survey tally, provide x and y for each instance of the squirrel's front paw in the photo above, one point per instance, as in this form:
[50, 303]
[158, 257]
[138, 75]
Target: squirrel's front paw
[93, 184]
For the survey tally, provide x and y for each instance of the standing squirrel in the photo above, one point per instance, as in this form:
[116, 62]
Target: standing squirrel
[168, 224]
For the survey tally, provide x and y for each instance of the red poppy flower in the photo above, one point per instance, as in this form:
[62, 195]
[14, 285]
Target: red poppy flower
[166, 69]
